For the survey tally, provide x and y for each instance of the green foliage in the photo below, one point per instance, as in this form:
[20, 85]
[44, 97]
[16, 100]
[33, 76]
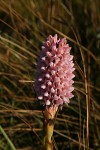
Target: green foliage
[24, 25]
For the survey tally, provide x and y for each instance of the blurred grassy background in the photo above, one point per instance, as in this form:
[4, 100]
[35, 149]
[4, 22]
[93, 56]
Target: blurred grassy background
[24, 25]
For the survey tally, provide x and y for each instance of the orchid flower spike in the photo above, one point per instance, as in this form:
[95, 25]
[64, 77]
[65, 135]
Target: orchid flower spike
[54, 75]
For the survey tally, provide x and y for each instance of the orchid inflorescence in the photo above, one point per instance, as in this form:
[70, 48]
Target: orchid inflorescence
[54, 77]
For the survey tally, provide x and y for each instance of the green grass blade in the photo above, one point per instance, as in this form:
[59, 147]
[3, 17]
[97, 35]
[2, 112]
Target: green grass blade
[7, 138]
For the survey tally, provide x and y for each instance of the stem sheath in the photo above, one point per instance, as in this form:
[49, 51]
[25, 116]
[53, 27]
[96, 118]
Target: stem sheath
[49, 126]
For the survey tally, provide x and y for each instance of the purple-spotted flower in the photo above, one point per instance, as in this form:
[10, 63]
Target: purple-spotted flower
[54, 76]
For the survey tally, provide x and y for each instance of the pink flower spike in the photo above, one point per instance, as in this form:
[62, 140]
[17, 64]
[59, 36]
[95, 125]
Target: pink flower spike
[54, 76]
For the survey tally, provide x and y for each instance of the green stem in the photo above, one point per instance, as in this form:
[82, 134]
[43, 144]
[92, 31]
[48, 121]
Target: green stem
[49, 126]
[48, 137]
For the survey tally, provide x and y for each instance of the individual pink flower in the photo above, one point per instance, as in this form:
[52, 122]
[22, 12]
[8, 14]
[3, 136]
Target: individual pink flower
[55, 68]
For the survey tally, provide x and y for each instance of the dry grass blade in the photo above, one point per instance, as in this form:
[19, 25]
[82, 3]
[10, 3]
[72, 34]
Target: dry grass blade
[23, 27]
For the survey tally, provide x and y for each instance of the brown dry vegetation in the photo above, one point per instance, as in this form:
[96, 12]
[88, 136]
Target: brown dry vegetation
[24, 25]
